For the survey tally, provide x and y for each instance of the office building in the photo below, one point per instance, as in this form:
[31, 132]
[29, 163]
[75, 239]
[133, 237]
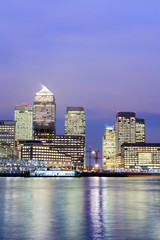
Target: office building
[37, 152]
[7, 132]
[125, 131]
[44, 120]
[60, 151]
[75, 121]
[23, 116]
[141, 155]
[140, 130]
[109, 149]
[73, 146]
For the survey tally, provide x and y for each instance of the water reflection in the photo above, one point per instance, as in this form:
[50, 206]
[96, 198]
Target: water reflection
[79, 208]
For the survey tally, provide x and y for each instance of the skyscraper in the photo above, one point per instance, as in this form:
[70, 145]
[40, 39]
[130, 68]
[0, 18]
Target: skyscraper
[75, 121]
[44, 120]
[109, 148]
[125, 131]
[23, 116]
[140, 130]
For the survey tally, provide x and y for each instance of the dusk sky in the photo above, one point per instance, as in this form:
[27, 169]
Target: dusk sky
[104, 55]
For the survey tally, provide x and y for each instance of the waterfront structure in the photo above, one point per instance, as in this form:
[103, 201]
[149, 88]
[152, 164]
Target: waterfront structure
[23, 116]
[140, 130]
[60, 151]
[75, 121]
[109, 148]
[7, 132]
[44, 120]
[36, 151]
[125, 131]
[141, 155]
[73, 146]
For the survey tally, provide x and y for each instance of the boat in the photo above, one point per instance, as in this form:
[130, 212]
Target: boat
[54, 173]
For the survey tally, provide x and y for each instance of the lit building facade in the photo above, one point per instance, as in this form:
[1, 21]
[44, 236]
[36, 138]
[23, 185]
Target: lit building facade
[75, 122]
[7, 132]
[23, 116]
[125, 131]
[109, 148]
[73, 146]
[140, 130]
[36, 151]
[141, 155]
[60, 151]
[44, 118]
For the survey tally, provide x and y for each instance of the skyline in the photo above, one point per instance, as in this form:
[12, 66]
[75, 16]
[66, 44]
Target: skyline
[103, 56]
[87, 132]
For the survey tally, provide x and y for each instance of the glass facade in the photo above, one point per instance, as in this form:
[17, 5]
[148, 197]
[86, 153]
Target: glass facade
[44, 120]
[75, 122]
[129, 129]
[109, 149]
[125, 131]
[61, 150]
[141, 155]
[7, 132]
[23, 116]
[140, 130]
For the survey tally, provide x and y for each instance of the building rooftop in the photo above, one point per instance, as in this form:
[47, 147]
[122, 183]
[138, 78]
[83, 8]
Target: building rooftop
[75, 109]
[126, 114]
[44, 91]
[140, 120]
[141, 144]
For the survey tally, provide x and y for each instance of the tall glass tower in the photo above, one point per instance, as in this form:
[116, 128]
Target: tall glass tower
[44, 120]
[109, 148]
[23, 116]
[75, 121]
[140, 130]
[125, 131]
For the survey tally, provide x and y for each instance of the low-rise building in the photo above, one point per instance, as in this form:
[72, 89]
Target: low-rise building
[62, 151]
[140, 155]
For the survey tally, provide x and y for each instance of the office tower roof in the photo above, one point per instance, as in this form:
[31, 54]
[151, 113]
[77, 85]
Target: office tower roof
[140, 120]
[125, 114]
[75, 109]
[109, 127]
[44, 95]
[44, 91]
[24, 108]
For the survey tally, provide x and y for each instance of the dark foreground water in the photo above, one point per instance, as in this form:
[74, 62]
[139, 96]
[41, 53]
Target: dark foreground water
[79, 208]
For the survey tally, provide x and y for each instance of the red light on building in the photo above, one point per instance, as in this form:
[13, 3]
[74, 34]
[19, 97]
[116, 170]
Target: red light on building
[25, 104]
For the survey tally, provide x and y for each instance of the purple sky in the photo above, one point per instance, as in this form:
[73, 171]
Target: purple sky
[104, 55]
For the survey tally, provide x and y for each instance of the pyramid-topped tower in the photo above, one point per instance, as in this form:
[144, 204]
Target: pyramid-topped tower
[44, 121]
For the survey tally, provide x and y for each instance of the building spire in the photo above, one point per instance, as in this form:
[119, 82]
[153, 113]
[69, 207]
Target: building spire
[44, 89]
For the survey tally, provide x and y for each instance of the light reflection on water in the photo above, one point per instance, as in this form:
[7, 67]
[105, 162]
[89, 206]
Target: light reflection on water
[79, 208]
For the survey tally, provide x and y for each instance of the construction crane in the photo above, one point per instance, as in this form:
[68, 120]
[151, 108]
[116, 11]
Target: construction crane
[90, 157]
[95, 158]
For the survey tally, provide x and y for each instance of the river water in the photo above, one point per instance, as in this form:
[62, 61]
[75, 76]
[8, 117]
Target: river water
[79, 208]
